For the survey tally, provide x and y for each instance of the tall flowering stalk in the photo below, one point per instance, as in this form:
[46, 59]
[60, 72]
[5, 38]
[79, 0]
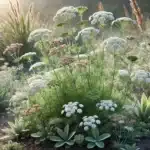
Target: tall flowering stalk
[138, 14]
[100, 6]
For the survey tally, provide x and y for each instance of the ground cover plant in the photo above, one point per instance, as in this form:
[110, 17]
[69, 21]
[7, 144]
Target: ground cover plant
[81, 84]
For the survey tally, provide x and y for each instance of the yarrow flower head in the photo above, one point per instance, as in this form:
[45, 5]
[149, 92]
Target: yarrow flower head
[108, 105]
[37, 65]
[101, 18]
[90, 122]
[72, 108]
[87, 34]
[38, 35]
[65, 15]
[124, 23]
[115, 45]
[28, 56]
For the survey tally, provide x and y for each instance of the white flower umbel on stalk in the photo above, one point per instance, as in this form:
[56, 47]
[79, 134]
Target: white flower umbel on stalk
[90, 122]
[36, 66]
[124, 74]
[39, 34]
[72, 108]
[108, 105]
[65, 15]
[36, 85]
[101, 18]
[87, 34]
[28, 56]
[115, 45]
[141, 76]
[124, 23]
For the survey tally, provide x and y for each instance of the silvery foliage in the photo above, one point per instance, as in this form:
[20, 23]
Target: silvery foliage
[65, 15]
[123, 22]
[115, 45]
[39, 34]
[87, 34]
[141, 76]
[90, 122]
[37, 65]
[72, 108]
[101, 18]
[108, 105]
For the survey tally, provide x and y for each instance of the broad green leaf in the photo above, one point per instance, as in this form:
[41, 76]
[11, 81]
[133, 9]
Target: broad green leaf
[66, 130]
[71, 135]
[91, 145]
[59, 144]
[100, 144]
[70, 143]
[90, 139]
[95, 133]
[36, 135]
[104, 136]
[62, 134]
[55, 138]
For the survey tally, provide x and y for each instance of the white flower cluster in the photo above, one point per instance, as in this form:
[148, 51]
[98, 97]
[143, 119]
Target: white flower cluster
[106, 105]
[65, 14]
[37, 65]
[27, 56]
[72, 108]
[115, 45]
[124, 22]
[141, 76]
[17, 98]
[101, 18]
[39, 34]
[87, 34]
[36, 85]
[124, 74]
[90, 122]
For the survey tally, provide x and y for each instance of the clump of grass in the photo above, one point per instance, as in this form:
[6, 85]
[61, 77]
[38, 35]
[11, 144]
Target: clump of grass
[16, 27]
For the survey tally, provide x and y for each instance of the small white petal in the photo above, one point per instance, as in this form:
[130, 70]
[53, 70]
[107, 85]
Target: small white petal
[98, 122]
[80, 105]
[86, 128]
[93, 126]
[62, 112]
[101, 108]
[112, 109]
[115, 105]
[79, 111]
[106, 107]
[81, 124]
[68, 114]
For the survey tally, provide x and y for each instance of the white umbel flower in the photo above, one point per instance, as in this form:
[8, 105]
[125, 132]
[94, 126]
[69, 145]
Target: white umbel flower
[115, 45]
[39, 34]
[101, 18]
[65, 15]
[87, 34]
[72, 108]
[108, 105]
[90, 122]
[124, 23]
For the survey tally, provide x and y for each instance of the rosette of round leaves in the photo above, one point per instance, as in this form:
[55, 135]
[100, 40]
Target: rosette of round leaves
[101, 19]
[96, 140]
[39, 34]
[64, 137]
[124, 23]
[115, 45]
[88, 34]
[65, 15]
[79, 139]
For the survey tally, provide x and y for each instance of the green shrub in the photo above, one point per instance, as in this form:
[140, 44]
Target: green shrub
[12, 146]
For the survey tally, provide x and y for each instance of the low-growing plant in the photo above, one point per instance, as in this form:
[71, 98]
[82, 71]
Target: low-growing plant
[12, 146]
[79, 139]
[16, 129]
[129, 147]
[142, 110]
[64, 138]
[96, 140]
